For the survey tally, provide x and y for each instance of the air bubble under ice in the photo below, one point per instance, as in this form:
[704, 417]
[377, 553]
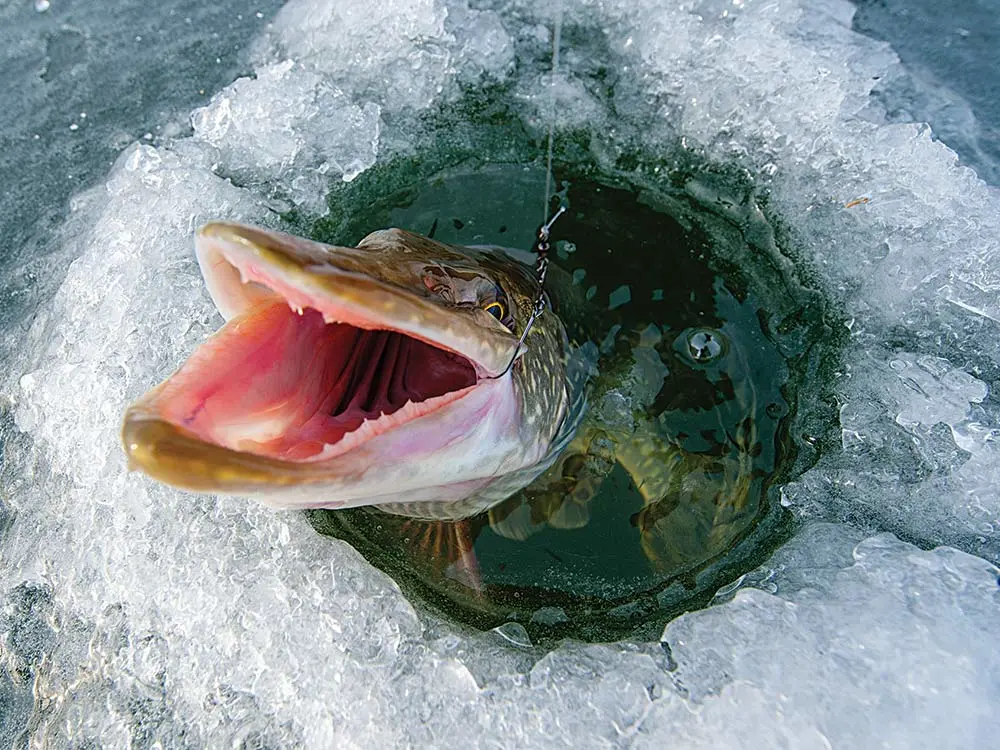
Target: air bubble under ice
[147, 616]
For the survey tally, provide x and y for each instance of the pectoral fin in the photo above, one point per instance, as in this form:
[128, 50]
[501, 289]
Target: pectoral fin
[449, 547]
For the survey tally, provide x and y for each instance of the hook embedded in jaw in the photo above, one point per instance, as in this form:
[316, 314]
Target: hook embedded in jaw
[541, 250]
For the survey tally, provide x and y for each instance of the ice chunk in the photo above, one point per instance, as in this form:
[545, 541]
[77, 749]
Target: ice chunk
[484, 46]
[620, 296]
[407, 54]
[811, 662]
[289, 127]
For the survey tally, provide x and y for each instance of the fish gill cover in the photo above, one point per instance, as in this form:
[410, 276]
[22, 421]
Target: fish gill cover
[148, 616]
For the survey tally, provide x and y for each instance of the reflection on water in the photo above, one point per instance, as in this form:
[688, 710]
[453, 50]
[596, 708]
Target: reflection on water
[669, 471]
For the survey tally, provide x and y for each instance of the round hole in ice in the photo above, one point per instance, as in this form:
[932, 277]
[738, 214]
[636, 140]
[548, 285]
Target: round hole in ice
[668, 490]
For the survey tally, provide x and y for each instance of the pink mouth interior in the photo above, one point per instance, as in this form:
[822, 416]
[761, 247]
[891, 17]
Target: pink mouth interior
[280, 384]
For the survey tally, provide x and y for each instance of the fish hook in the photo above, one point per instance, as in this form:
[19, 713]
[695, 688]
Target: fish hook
[541, 250]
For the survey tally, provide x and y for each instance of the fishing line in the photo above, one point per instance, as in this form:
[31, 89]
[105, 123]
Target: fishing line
[556, 37]
[541, 246]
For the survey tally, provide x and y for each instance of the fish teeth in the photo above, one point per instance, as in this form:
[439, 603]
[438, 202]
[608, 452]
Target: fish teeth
[295, 308]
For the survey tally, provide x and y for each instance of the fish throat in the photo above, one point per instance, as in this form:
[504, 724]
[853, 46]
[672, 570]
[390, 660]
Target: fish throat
[384, 370]
[289, 385]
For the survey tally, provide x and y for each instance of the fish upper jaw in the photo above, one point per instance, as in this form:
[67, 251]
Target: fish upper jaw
[244, 266]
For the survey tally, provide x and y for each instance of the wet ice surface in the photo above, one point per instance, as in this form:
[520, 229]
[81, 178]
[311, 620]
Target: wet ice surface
[145, 614]
[946, 80]
[83, 81]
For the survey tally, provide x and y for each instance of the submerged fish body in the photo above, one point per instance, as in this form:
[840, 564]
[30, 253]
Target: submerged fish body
[375, 375]
[691, 454]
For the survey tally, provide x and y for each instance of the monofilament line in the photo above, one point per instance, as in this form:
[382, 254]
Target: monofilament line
[556, 34]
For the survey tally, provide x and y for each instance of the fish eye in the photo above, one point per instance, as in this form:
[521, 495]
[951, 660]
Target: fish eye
[496, 309]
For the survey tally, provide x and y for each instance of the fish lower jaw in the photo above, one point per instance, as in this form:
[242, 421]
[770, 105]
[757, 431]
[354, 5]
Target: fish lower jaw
[440, 455]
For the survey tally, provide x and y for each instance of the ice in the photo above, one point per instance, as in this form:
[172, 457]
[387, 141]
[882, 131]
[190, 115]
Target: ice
[107, 60]
[954, 88]
[132, 613]
[858, 641]
[409, 54]
[268, 133]
[620, 296]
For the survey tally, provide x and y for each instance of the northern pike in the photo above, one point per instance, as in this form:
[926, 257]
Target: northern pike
[374, 375]
[389, 375]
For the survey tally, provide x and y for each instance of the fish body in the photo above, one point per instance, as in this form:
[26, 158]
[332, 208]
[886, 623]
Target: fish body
[374, 375]
[692, 454]
[379, 376]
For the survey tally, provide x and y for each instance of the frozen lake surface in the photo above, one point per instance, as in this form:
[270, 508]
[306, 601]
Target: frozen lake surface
[136, 614]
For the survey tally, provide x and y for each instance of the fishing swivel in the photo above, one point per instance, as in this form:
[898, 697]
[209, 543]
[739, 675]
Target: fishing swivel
[541, 250]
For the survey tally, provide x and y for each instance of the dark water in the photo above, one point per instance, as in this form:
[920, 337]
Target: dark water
[664, 495]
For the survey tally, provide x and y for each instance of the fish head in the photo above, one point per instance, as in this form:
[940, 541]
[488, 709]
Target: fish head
[357, 376]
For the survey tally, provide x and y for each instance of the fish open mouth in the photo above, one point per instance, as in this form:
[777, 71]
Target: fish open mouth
[317, 357]
[289, 385]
